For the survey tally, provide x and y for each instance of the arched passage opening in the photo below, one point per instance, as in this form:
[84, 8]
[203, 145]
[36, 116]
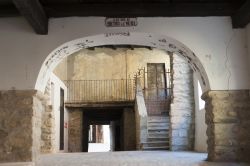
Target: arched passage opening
[129, 38]
[138, 39]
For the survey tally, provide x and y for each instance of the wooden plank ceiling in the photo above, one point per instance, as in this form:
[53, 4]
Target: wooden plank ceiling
[38, 12]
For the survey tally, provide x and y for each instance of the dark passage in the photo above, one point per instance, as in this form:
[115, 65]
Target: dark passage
[119, 119]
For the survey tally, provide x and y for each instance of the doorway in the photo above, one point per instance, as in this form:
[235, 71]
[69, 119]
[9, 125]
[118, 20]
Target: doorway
[61, 119]
[99, 138]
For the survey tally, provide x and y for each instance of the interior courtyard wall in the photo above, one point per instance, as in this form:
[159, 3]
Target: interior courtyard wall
[61, 71]
[107, 63]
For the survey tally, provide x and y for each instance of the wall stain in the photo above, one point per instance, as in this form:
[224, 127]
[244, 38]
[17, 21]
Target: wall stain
[163, 40]
[172, 46]
[117, 34]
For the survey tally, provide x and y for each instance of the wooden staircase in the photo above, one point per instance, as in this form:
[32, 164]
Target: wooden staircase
[158, 133]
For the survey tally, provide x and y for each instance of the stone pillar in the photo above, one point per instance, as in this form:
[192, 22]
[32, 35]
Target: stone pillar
[20, 125]
[182, 108]
[75, 130]
[48, 131]
[228, 121]
[141, 118]
[129, 138]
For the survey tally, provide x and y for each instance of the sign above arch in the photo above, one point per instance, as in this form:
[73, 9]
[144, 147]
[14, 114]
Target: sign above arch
[121, 38]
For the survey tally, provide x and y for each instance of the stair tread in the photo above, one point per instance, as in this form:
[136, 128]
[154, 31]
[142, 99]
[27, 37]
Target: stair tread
[158, 133]
[158, 129]
[158, 124]
[150, 137]
[155, 142]
[159, 121]
[156, 148]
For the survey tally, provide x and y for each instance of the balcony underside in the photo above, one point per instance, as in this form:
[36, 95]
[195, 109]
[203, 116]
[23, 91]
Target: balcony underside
[105, 105]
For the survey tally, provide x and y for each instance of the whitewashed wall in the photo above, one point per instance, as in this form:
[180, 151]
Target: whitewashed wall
[221, 49]
[58, 84]
[200, 143]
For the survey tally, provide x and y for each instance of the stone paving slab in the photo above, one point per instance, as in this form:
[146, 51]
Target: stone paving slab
[130, 158]
[18, 164]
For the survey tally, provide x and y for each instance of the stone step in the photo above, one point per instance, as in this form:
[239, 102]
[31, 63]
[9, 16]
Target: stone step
[158, 120]
[160, 117]
[156, 148]
[158, 127]
[158, 134]
[154, 129]
[158, 124]
[153, 139]
[155, 144]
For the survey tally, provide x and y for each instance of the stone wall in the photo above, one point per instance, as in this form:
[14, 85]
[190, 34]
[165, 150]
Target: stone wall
[140, 118]
[129, 138]
[228, 120]
[107, 63]
[75, 130]
[20, 125]
[48, 131]
[47, 123]
[182, 108]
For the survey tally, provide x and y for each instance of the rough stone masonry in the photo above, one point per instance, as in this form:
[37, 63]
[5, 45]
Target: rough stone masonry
[182, 125]
[228, 120]
[20, 125]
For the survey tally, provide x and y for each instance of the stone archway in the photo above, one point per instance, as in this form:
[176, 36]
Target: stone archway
[222, 113]
[124, 38]
[143, 39]
[227, 112]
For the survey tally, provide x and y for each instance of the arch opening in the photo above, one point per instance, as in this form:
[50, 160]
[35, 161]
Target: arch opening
[141, 39]
[169, 45]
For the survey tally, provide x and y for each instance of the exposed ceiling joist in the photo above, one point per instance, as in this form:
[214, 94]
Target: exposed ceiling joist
[8, 11]
[141, 9]
[242, 17]
[33, 11]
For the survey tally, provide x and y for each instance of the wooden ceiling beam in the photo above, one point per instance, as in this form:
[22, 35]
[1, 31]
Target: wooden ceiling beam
[8, 11]
[33, 11]
[142, 9]
[242, 17]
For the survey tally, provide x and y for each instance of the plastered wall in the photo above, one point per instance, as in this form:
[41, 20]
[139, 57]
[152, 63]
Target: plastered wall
[200, 144]
[221, 50]
[56, 108]
[107, 63]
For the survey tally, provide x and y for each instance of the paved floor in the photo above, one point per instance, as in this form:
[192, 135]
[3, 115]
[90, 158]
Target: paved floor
[131, 158]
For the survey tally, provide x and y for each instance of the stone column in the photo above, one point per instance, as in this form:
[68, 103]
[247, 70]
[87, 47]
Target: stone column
[75, 129]
[228, 121]
[182, 108]
[129, 138]
[48, 130]
[20, 125]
